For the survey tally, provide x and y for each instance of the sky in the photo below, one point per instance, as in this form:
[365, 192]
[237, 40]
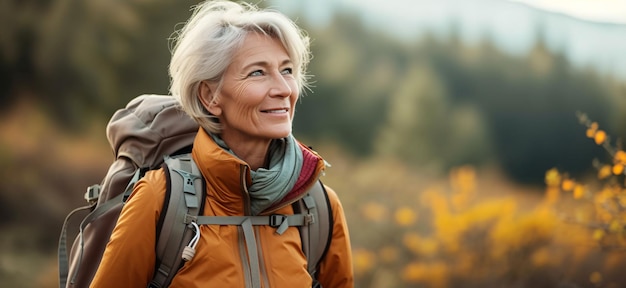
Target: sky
[588, 32]
[608, 11]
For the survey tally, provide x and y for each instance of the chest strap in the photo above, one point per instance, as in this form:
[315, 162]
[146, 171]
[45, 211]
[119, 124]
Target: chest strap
[279, 221]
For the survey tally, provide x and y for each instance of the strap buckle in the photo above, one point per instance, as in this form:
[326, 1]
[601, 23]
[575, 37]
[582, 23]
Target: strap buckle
[92, 194]
[190, 218]
[277, 219]
[309, 219]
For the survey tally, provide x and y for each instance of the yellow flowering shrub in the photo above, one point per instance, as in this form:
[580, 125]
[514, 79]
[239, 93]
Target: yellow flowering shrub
[609, 199]
[469, 229]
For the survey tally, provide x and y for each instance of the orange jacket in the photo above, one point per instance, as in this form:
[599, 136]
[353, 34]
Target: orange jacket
[129, 258]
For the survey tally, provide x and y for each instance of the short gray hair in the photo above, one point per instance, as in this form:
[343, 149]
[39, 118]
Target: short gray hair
[203, 49]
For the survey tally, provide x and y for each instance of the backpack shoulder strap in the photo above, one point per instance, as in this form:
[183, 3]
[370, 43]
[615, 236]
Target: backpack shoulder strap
[184, 197]
[181, 205]
[317, 236]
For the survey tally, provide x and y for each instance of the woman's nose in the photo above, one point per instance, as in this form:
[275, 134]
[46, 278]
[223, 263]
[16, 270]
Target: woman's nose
[280, 86]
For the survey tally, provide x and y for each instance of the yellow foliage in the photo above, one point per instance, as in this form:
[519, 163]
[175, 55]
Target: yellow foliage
[388, 254]
[553, 181]
[449, 229]
[615, 226]
[465, 262]
[604, 216]
[460, 200]
[568, 184]
[591, 131]
[414, 272]
[606, 193]
[599, 137]
[463, 179]
[613, 260]
[620, 157]
[405, 216]
[594, 126]
[490, 209]
[515, 233]
[595, 278]
[598, 234]
[604, 197]
[429, 247]
[577, 238]
[427, 195]
[466, 234]
[435, 274]
[411, 241]
[605, 172]
[419, 245]
[439, 205]
[622, 199]
[374, 211]
[363, 260]
[608, 203]
[579, 191]
[552, 195]
[553, 178]
[618, 169]
[581, 215]
[542, 257]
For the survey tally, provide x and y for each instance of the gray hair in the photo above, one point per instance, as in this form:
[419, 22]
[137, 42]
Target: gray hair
[204, 47]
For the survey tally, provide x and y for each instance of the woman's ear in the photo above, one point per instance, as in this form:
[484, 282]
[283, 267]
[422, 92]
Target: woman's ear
[206, 93]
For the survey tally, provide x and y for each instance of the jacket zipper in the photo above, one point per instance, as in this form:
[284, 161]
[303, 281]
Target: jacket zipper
[243, 170]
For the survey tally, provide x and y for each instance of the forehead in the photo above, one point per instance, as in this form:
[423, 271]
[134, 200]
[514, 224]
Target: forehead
[258, 47]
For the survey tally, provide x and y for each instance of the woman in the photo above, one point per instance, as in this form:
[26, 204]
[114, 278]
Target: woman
[238, 71]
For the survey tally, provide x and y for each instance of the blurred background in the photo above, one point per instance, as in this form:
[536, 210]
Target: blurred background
[461, 133]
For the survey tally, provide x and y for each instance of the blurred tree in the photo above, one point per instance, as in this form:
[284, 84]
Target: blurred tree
[79, 58]
[17, 33]
[354, 71]
[417, 125]
[68, 52]
[531, 105]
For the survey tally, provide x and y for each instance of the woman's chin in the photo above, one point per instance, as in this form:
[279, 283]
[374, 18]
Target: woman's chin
[279, 134]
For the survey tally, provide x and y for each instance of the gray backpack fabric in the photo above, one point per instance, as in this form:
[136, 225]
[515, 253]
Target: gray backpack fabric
[143, 135]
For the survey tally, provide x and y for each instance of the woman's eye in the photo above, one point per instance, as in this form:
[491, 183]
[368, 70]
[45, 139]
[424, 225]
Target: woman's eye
[287, 71]
[256, 73]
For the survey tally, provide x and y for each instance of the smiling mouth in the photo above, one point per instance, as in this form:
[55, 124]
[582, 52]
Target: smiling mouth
[275, 111]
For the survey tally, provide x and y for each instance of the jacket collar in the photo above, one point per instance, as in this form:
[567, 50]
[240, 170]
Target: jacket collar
[229, 176]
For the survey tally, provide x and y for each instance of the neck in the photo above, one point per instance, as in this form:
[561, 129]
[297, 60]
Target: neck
[254, 153]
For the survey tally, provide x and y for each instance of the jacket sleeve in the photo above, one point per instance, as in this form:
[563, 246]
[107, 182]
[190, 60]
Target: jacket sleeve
[336, 267]
[129, 257]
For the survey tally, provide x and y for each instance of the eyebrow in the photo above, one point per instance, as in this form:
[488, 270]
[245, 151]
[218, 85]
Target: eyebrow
[265, 64]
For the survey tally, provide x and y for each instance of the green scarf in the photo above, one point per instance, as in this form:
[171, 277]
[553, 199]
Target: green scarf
[271, 185]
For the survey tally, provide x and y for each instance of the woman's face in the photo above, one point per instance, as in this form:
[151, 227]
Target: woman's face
[259, 92]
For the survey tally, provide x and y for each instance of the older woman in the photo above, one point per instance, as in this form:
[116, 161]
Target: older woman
[238, 71]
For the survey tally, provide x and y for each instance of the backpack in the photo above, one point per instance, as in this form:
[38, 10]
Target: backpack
[149, 133]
